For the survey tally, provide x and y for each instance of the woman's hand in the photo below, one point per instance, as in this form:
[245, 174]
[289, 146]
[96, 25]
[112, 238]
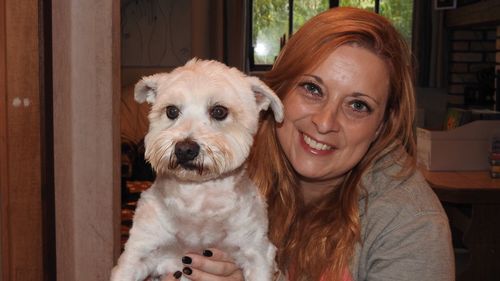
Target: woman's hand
[211, 265]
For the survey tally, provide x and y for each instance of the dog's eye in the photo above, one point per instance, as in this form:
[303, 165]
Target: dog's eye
[172, 112]
[218, 112]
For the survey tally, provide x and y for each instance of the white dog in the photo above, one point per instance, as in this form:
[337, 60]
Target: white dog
[203, 119]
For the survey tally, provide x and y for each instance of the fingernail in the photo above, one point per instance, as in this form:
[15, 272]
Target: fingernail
[177, 274]
[186, 260]
[208, 253]
[187, 271]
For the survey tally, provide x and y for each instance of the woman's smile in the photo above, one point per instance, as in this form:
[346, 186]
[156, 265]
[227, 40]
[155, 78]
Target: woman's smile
[314, 146]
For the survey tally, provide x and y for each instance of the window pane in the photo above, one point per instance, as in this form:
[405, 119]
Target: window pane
[306, 9]
[269, 24]
[400, 13]
[363, 4]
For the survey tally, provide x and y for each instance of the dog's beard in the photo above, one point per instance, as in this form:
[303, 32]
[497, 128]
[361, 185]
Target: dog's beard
[199, 164]
[207, 164]
[217, 155]
[196, 165]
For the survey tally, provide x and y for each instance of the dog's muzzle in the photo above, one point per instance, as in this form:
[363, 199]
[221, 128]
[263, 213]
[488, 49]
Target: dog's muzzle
[186, 151]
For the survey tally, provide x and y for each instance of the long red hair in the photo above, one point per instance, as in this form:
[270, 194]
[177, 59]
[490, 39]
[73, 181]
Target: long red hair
[318, 241]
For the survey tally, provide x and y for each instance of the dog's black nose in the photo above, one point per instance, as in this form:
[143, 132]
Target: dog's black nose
[186, 151]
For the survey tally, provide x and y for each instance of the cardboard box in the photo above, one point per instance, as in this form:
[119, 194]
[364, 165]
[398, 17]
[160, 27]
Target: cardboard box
[465, 148]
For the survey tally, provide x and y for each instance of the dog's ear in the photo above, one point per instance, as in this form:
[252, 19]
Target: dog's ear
[266, 97]
[146, 89]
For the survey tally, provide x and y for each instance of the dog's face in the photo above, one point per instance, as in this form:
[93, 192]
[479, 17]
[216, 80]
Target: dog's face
[203, 118]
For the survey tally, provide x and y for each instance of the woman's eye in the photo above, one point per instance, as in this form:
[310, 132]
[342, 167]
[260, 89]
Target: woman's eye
[172, 112]
[312, 88]
[219, 112]
[360, 106]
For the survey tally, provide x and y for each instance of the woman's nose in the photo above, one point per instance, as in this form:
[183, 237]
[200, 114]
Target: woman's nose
[326, 119]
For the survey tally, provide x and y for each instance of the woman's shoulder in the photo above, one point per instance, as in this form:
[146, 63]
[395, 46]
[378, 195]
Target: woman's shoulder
[392, 182]
[403, 228]
[388, 194]
[400, 207]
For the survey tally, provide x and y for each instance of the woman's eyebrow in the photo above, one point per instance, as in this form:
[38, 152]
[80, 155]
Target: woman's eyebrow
[317, 78]
[359, 94]
[354, 94]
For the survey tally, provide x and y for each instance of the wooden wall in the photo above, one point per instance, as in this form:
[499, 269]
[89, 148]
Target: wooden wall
[20, 141]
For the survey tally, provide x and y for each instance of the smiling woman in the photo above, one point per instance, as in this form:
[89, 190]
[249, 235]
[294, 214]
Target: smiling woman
[345, 201]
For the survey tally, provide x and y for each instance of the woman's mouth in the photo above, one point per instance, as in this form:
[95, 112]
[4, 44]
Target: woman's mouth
[315, 144]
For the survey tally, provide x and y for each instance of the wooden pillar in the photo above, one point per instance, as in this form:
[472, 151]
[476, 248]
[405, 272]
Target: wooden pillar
[86, 75]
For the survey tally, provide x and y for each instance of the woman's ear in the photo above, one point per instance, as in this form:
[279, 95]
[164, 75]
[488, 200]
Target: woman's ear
[266, 97]
[146, 89]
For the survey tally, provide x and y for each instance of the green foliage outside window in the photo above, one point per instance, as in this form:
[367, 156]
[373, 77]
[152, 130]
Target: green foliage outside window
[363, 4]
[399, 12]
[303, 10]
[270, 23]
[270, 20]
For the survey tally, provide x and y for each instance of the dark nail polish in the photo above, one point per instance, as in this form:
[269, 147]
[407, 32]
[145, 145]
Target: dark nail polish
[208, 253]
[187, 271]
[177, 274]
[186, 260]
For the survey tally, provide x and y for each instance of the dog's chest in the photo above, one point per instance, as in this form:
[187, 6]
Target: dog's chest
[204, 202]
[205, 216]
[198, 232]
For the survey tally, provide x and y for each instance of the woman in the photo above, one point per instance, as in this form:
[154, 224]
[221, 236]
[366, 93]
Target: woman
[345, 199]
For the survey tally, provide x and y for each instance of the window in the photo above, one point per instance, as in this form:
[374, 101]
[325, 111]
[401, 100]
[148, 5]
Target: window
[272, 21]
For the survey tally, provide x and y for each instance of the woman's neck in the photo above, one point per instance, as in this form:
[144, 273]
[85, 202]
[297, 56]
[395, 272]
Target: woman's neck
[314, 190]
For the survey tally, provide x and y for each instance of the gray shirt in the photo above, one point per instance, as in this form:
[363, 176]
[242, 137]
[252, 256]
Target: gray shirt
[404, 230]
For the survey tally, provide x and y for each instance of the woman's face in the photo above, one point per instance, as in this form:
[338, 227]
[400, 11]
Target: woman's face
[333, 113]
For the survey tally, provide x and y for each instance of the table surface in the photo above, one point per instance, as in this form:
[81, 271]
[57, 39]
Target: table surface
[468, 187]
[462, 179]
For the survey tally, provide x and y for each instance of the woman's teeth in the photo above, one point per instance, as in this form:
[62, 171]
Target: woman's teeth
[316, 145]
